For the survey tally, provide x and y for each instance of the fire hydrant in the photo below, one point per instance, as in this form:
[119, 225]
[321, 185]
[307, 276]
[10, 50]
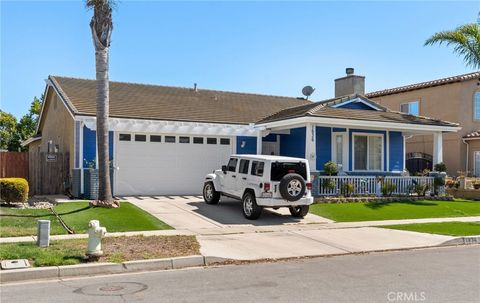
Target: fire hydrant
[95, 235]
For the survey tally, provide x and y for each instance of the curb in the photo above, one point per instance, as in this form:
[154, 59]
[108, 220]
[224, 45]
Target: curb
[59, 272]
[469, 240]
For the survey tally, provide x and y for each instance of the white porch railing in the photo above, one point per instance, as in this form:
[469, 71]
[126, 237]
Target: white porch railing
[367, 185]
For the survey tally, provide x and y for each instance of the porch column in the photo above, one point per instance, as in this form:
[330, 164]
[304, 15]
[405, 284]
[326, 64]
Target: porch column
[310, 146]
[259, 142]
[437, 148]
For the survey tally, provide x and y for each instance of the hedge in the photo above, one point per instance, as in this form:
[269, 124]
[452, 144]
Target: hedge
[13, 190]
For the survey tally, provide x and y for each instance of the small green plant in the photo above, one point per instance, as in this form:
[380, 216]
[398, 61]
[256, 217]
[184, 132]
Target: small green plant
[14, 190]
[347, 189]
[440, 167]
[92, 164]
[330, 168]
[421, 189]
[388, 188]
[328, 184]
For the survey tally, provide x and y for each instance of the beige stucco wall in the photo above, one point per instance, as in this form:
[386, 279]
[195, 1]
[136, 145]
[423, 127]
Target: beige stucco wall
[57, 125]
[450, 102]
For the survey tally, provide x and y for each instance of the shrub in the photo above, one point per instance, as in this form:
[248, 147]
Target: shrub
[330, 168]
[440, 167]
[13, 190]
[388, 188]
[328, 184]
[421, 189]
[450, 183]
[347, 189]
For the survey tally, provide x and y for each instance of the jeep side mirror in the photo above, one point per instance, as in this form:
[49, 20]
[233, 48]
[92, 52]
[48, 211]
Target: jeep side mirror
[224, 169]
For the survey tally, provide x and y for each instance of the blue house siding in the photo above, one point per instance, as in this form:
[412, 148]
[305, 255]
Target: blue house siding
[90, 146]
[323, 145]
[356, 105]
[396, 151]
[249, 145]
[293, 145]
[350, 145]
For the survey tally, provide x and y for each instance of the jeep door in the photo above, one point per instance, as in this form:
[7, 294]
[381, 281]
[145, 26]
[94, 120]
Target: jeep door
[242, 178]
[229, 180]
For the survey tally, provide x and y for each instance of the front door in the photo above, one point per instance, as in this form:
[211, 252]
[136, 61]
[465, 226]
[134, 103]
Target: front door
[271, 148]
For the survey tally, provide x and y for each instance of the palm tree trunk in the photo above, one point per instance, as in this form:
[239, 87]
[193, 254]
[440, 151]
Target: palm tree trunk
[102, 100]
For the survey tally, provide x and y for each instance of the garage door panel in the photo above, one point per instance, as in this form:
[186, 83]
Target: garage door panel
[152, 168]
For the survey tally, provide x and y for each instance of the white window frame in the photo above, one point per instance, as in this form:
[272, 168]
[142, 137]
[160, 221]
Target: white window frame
[368, 161]
[409, 103]
[345, 149]
[475, 118]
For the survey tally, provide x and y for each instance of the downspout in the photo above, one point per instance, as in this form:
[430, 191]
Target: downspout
[466, 159]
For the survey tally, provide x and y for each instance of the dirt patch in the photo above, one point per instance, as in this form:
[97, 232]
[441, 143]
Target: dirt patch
[119, 249]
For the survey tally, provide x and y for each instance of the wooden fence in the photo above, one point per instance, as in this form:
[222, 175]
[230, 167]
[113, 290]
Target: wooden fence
[14, 165]
[48, 172]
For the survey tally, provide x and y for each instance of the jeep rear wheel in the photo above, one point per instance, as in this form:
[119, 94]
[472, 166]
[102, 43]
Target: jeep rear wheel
[299, 211]
[251, 210]
[210, 195]
[292, 187]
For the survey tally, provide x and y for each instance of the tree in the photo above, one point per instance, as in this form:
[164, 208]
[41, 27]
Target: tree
[465, 40]
[101, 26]
[8, 129]
[27, 125]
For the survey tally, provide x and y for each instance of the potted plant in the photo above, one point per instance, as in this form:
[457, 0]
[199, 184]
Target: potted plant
[476, 185]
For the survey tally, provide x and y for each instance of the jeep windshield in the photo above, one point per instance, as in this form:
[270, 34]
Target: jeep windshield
[280, 169]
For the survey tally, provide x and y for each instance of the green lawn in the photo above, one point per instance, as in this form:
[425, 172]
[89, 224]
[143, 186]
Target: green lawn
[443, 228]
[127, 217]
[23, 222]
[116, 249]
[351, 212]
[16, 222]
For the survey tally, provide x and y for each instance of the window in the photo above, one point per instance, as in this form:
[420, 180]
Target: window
[170, 139]
[211, 140]
[225, 141]
[368, 152]
[141, 138]
[476, 158]
[155, 138]
[339, 152]
[232, 164]
[257, 168]
[411, 108]
[244, 166]
[197, 140]
[280, 169]
[476, 106]
[125, 137]
[184, 139]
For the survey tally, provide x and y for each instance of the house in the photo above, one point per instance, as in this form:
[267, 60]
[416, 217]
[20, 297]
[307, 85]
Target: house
[455, 99]
[163, 140]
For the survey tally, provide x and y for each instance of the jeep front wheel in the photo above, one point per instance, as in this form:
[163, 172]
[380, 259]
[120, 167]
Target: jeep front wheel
[251, 210]
[299, 211]
[210, 195]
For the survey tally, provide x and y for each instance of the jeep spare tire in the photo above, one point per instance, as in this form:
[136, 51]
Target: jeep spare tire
[292, 187]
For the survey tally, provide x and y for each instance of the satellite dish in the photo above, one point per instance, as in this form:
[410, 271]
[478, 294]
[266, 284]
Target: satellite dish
[307, 91]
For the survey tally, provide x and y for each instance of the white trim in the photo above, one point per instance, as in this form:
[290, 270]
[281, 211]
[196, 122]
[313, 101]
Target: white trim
[404, 152]
[365, 124]
[387, 139]
[368, 135]
[311, 146]
[468, 139]
[30, 140]
[175, 127]
[82, 190]
[409, 103]
[437, 148]
[356, 100]
[345, 158]
[259, 143]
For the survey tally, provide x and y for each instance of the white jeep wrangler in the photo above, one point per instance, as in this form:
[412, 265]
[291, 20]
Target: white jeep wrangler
[262, 181]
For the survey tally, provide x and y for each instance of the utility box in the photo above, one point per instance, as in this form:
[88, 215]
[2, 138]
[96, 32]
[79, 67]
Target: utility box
[43, 233]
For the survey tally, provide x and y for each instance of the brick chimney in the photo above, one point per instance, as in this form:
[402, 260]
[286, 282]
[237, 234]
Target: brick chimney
[350, 84]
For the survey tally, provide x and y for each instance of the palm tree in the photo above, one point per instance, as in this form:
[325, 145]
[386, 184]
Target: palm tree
[101, 26]
[465, 40]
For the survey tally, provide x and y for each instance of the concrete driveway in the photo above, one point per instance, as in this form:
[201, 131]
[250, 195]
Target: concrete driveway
[192, 213]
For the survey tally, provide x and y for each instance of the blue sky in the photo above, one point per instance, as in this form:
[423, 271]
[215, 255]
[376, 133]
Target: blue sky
[261, 47]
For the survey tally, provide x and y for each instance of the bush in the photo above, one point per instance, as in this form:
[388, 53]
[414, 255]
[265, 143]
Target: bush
[388, 188]
[440, 167]
[13, 190]
[330, 168]
[328, 184]
[421, 189]
[347, 189]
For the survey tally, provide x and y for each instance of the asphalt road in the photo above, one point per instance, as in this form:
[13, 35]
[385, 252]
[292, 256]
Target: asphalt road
[429, 275]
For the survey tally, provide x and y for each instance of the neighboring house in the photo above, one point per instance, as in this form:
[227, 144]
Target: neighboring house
[163, 140]
[455, 99]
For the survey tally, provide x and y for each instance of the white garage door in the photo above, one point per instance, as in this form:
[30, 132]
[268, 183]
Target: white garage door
[167, 164]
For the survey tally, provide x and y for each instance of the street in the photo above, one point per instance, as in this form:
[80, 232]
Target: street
[428, 275]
